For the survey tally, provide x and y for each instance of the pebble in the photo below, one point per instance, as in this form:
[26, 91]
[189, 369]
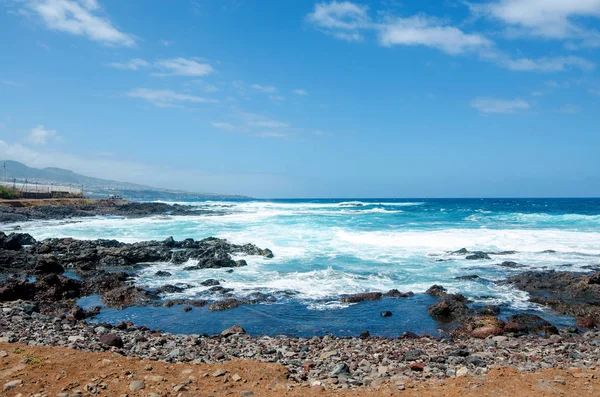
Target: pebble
[12, 384]
[136, 385]
[322, 362]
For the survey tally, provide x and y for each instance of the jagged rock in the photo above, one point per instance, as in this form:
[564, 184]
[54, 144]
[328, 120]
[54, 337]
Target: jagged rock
[235, 330]
[128, 296]
[436, 290]
[477, 255]
[368, 296]
[225, 304]
[394, 293]
[451, 307]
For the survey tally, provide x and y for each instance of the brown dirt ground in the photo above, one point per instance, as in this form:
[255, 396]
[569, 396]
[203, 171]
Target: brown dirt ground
[42, 202]
[51, 370]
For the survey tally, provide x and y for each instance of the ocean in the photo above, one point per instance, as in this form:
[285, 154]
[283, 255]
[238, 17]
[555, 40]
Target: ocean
[326, 248]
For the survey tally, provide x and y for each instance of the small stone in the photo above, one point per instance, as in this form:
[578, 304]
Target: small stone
[219, 372]
[111, 340]
[236, 329]
[3, 353]
[417, 367]
[13, 385]
[246, 393]
[136, 385]
[236, 378]
[386, 313]
[462, 371]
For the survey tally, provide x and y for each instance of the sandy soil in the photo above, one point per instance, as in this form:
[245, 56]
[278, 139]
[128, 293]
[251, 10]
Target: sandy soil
[53, 370]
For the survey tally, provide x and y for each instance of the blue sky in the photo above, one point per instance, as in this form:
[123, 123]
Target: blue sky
[274, 98]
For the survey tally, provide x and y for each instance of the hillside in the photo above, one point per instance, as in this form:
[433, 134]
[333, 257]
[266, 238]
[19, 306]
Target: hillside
[94, 187]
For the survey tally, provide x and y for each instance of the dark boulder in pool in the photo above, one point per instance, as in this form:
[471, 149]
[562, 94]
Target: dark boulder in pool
[450, 308]
[128, 296]
[225, 304]
[162, 273]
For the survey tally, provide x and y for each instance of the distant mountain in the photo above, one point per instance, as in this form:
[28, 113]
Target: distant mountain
[95, 187]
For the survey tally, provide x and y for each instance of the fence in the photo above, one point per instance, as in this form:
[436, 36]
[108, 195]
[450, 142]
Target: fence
[36, 190]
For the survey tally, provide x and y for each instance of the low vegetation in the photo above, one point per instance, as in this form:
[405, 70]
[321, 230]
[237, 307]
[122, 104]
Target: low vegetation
[7, 193]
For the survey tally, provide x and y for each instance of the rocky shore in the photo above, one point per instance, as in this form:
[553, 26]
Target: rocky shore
[328, 361]
[37, 308]
[17, 211]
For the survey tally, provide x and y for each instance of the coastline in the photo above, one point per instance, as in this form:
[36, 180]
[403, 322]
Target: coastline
[37, 308]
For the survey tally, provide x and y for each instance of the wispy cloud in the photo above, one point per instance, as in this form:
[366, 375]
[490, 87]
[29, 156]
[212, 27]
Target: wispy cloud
[134, 64]
[430, 32]
[557, 64]
[81, 18]
[548, 19]
[167, 67]
[166, 98]
[351, 22]
[11, 83]
[256, 125]
[594, 92]
[183, 67]
[504, 106]
[159, 175]
[40, 135]
[300, 92]
[267, 89]
[569, 109]
[166, 43]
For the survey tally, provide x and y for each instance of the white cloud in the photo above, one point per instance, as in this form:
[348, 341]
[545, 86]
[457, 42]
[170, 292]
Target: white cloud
[557, 64]
[349, 21]
[11, 83]
[222, 125]
[40, 135]
[264, 88]
[79, 17]
[551, 19]
[268, 124]
[569, 109]
[167, 67]
[133, 64]
[340, 15]
[277, 98]
[429, 32]
[166, 98]
[210, 88]
[256, 125]
[183, 67]
[166, 43]
[594, 92]
[493, 105]
[300, 92]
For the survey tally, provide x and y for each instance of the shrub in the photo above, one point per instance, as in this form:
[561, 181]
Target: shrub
[7, 193]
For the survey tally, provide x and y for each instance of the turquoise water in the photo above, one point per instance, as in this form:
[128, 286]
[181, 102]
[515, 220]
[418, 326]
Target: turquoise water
[327, 248]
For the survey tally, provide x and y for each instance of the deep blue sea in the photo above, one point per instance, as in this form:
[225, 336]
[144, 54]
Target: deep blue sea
[327, 248]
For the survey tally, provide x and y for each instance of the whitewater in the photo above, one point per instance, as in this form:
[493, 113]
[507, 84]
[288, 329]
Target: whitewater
[325, 249]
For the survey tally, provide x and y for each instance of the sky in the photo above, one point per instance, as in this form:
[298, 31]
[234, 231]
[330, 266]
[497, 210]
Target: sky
[304, 98]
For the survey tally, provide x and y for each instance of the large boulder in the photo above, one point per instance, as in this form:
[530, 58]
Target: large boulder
[532, 323]
[47, 264]
[450, 308]
[436, 290]
[128, 296]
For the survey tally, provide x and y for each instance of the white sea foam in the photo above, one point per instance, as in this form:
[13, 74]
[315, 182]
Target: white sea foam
[323, 250]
